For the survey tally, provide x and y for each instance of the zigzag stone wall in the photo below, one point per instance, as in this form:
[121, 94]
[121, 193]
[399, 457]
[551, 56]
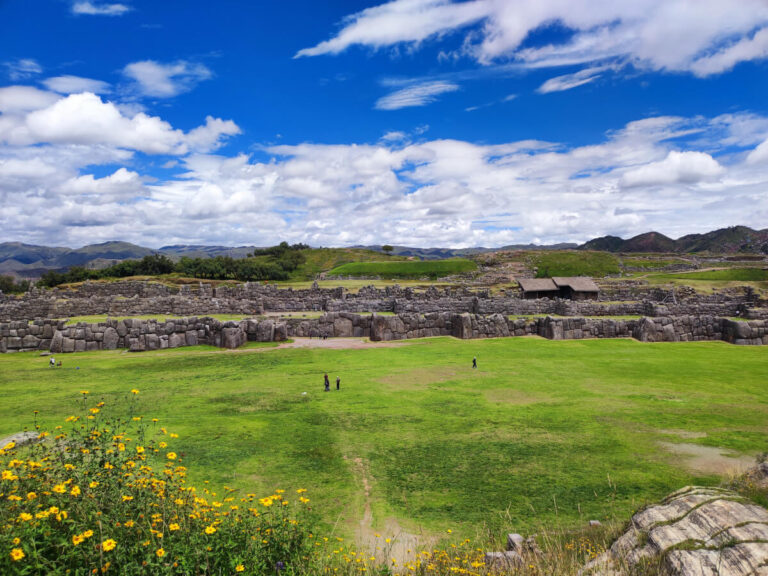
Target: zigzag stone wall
[131, 298]
[139, 335]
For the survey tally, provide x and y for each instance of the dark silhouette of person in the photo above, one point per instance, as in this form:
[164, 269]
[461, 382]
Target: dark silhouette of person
[474, 362]
[338, 383]
[327, 383]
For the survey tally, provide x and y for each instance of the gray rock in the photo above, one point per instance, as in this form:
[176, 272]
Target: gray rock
[693, 532]
[175, 340]
[67, 345]
[111, 337]
[20, 438]
[57, 342]
[515, 543]
[507, 560]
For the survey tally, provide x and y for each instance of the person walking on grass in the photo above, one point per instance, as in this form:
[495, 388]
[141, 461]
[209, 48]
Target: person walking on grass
[327, 384]
[338, 383]
[474, 362]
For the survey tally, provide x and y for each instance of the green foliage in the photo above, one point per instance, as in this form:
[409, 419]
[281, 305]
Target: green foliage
[408, 269]
[583, 263]
[387, 249]
[109, 494]
[9, 285]
[730, 274]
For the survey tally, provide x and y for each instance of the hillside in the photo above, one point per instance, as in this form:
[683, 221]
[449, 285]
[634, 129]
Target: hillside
[733, 240]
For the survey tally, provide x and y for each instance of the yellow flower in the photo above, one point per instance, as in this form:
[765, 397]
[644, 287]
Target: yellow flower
[16, 541]
[163, 445]
[60, 489]
[8, 475]
[173, 527]
[108, 545]
[265, 502]
[174, 435]
[134, 391]
[160, 552]
[88, 533]
[136, 418]
[77, 539]
[17, 554]
[24, 517]
[140, 449]
[75, 491]
[127, 498]
[301, 491]
[84, 392]
[239, 568]
[210, 530]
[9, 446]
[95, 410]
[171, 455]
[93, 484]
[129, 523]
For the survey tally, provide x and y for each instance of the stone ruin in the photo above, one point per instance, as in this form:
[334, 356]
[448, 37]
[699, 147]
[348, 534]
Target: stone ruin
[34, 321]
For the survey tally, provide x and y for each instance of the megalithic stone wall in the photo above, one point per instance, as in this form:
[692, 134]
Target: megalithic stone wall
[139, 335]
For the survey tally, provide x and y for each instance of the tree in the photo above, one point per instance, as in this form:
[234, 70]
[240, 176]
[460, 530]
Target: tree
[387, 249]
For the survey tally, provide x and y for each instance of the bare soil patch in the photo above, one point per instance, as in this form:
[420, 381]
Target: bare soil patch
[710, 460]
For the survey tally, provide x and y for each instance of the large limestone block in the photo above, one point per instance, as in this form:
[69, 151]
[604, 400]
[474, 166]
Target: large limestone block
[110, 339]
[265, 331]
[57, 342]
[175, 340]
[693, 532]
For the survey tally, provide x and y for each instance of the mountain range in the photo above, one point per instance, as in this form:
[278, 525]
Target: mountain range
[30, 261]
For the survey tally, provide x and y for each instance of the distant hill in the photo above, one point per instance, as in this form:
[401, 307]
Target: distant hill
[443, 253]
[734, 240]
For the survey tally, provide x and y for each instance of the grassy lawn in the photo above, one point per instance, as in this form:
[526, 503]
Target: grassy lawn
[412, 269]
[542, 431]
[583, 263]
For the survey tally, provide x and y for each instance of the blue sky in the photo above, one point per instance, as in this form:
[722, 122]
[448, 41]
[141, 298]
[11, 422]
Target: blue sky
[420, 122]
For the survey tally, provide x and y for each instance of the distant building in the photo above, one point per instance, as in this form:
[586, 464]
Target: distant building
[574, 288]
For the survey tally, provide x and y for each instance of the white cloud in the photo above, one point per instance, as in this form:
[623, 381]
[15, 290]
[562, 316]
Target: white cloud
[400, 21]
[648, 174]
[701, 36]
[166, 80]
[97, 9]
[74, 84]
[416, 95]
[677, 167]
[22, 98]
[23, 68]
[569, 81]
[32, 116]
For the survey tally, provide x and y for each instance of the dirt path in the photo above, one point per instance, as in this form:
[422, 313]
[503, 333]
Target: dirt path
[338, 343]
[391, 542]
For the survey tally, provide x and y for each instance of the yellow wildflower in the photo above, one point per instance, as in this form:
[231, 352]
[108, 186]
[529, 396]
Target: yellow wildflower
[171, 455]
[173, 527]
[17, 554]
[108, 545]
[134, 391]
[24, 517]
[210, 529]
[77, 539]
[160, 552]
[239, 568]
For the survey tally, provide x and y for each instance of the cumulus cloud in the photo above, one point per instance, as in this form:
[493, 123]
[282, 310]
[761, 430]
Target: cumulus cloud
[32, 116]
[74, 84]
[677, 167]
[99, 9]
[648, 174]
[700, 36]
[166, 80]
[415, 95]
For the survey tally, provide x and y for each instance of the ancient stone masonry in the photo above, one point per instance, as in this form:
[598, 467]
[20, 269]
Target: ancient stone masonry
[131, 298]
[139, 335]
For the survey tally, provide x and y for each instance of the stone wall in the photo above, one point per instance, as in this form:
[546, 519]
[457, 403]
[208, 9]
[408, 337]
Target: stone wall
[139, 335]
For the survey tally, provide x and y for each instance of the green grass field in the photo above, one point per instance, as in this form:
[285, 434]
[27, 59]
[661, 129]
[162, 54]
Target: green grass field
[542, 432]
[412, 269]
[572, 263]
[726, 275]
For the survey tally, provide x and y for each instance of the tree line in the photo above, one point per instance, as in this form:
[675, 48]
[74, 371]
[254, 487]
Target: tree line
[280, 261]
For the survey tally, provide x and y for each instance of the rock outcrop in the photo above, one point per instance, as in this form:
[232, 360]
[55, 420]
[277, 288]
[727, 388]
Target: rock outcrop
[693, 532]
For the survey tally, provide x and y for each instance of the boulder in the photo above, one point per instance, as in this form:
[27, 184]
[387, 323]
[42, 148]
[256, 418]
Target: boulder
[281, 332]
[175, 340]
[694, 531]
[265, 331]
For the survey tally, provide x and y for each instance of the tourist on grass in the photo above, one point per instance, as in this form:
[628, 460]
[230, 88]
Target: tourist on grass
[338, 383]
[474, 362]
[327, 384]
[52, 363]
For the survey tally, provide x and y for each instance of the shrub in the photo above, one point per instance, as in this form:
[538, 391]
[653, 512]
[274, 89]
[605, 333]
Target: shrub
[109, 495]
